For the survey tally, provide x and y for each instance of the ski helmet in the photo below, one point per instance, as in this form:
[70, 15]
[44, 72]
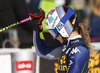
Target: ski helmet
[59, 21]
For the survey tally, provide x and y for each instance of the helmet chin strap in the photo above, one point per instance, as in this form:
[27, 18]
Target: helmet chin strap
[65, 41]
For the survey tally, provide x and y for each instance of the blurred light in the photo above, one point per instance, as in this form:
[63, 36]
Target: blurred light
[59, 2]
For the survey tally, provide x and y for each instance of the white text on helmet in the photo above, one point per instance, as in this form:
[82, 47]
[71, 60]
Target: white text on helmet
[60, 26]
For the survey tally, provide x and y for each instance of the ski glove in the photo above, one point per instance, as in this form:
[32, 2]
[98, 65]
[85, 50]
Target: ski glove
[37, 17]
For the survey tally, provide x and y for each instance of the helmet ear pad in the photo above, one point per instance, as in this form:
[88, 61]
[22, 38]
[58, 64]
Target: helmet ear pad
[71, 20]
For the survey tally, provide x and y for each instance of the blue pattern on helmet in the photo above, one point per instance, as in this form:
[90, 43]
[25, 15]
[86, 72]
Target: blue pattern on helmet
[69, 26]
[50, 19]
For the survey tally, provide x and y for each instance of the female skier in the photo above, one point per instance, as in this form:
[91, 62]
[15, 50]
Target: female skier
[73, 52]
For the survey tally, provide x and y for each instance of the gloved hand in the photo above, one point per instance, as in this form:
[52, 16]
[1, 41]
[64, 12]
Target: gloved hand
[37, 17]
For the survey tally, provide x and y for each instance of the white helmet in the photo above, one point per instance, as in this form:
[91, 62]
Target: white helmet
[59, 21]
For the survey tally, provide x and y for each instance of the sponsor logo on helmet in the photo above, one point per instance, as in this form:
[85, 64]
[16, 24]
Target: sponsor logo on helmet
[54, 21]
[59, 26]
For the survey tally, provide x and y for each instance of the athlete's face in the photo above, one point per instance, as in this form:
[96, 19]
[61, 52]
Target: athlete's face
[59, 38]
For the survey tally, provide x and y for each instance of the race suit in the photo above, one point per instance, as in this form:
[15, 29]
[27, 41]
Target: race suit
[75, 60]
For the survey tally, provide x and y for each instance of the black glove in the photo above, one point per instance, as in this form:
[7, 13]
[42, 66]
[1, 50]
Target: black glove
[37, 17]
